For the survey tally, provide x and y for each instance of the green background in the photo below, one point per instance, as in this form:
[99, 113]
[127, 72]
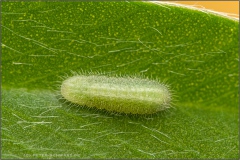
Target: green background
[195, 52]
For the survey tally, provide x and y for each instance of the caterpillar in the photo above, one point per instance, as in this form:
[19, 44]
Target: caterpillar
[130, 95]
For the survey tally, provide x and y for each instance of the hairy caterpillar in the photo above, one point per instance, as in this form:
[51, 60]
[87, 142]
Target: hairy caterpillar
[119, 94]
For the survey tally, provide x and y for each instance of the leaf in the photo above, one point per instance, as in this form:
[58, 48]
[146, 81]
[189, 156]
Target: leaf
[195, 52]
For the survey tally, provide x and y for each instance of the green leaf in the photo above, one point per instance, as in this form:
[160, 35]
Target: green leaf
[195, 52]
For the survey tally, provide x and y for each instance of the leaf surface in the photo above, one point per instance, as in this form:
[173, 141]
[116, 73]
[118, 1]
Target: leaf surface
[193, 51]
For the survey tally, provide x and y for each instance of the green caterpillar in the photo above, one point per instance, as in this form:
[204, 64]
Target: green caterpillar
[119, 94]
